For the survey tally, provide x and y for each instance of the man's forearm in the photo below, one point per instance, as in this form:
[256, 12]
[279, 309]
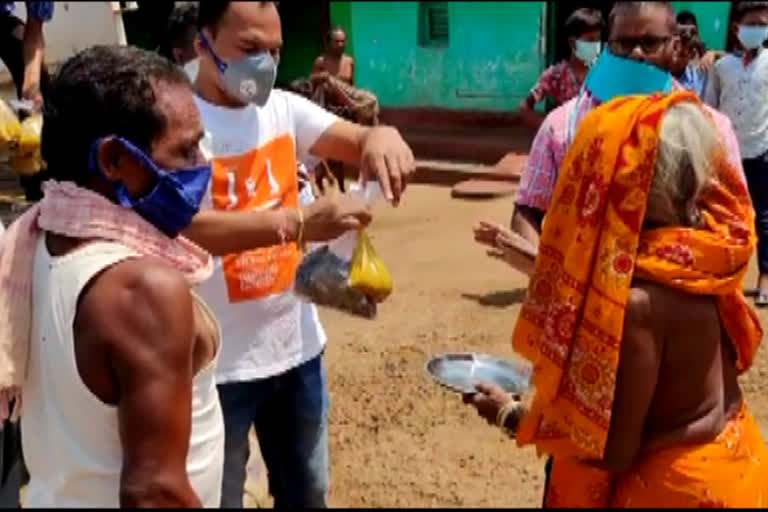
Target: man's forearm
[343, 142]
[33, 50]
[223, 233]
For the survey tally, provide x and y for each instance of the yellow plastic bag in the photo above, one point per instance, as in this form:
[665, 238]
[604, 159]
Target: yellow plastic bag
[345, 275]
[368, 273]
[30, 134]
[10, 130]
[27, 158]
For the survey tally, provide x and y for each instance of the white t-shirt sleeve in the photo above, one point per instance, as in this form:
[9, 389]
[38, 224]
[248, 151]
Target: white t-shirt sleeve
[310, 122]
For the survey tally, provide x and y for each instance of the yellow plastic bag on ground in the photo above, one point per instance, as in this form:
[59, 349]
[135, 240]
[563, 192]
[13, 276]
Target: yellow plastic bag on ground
[10, 130]
[367, 272]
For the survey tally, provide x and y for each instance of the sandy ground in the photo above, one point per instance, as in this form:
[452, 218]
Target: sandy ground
[397, 439]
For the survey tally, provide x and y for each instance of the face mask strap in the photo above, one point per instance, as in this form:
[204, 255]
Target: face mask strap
[208, 46]
[142, 157]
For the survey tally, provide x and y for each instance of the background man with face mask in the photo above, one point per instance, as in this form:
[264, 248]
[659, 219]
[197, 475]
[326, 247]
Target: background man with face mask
[642, 48]
[100, 332]
[271, 373]
[739, 87]
[563, 81]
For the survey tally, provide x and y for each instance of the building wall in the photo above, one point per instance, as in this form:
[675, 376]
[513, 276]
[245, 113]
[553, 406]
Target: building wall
[494, 56]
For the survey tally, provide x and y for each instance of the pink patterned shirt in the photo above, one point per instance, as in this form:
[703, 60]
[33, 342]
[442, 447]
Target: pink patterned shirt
[558, 82]
[539, 176]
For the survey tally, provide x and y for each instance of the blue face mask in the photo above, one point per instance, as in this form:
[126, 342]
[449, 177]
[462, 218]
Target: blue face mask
[250, 79]
[175, 198]
[752, 37]
[613, 76]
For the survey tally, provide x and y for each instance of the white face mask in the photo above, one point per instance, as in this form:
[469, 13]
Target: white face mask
[191, 68]
[752, 37]
[587, 51]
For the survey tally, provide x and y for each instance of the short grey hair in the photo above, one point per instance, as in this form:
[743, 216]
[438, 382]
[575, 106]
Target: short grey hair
[685, 164]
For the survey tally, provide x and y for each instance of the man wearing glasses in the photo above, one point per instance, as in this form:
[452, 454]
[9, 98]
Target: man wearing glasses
[641, 34]
[738, 87]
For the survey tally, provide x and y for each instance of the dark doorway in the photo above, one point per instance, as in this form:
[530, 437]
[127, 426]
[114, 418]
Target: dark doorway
[145, 26]
[557, 14]
[305, 25]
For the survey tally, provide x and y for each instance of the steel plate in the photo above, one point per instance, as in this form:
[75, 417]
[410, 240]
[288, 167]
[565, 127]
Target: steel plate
[460, 372]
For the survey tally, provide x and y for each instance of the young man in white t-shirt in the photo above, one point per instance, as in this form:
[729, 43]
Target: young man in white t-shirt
[270, 372]
[737, 87]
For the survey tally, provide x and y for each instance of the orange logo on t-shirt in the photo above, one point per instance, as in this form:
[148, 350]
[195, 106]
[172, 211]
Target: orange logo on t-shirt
[260, 179]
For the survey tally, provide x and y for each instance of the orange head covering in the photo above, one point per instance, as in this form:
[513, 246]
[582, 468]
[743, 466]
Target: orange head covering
[592, 244]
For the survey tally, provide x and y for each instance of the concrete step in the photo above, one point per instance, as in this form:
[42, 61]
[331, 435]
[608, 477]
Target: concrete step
[448, 173]
[479, 146]
[460, 136]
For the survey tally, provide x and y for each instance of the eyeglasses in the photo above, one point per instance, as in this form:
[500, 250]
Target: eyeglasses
[648, 44]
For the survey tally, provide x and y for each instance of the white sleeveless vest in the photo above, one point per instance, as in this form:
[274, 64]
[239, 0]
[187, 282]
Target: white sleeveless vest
[70, 437]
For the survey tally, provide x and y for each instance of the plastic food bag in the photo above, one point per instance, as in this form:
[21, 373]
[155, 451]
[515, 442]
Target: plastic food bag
[368, 273]
[346, 274]
[10, 130]
[27, 158]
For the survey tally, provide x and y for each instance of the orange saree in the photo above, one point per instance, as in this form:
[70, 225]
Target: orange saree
[592, 245]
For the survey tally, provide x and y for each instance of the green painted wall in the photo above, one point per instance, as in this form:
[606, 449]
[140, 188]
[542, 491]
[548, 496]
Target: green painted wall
[493, 58]
[712, 18]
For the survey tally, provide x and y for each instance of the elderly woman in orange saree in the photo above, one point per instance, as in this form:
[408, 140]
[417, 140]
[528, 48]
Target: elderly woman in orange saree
[635, 321]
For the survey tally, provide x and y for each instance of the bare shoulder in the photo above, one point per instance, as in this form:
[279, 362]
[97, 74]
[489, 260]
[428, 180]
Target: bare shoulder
[348, 59]
[135, 301]
[320, 61]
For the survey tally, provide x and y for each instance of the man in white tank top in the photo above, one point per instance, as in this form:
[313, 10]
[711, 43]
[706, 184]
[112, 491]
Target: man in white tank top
[120, 403]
